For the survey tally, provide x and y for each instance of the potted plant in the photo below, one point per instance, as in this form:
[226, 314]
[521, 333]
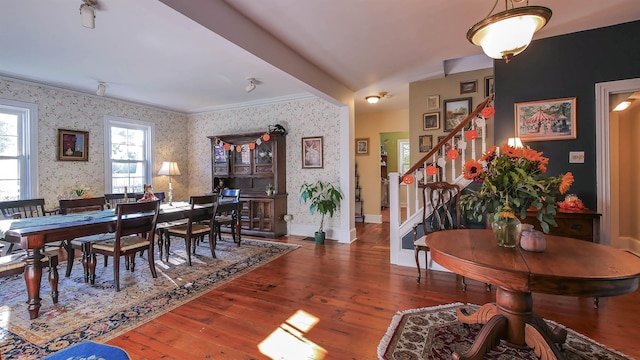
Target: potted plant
[322, 197]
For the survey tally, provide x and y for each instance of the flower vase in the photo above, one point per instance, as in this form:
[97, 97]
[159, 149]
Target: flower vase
[507, 231]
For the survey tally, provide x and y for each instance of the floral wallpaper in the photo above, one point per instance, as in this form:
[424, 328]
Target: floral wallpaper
[178, 137]
[301, 118]
[61, 109]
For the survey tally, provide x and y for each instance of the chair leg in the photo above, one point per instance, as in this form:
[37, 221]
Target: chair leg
[212, 242]
[116, 272]
[464, 284]
[132, 259]
[53, 277]
[93, 260]
[417, 252]
[188, 248]
[167, 244]
[160, 243]
[152, 263]
[70, 258]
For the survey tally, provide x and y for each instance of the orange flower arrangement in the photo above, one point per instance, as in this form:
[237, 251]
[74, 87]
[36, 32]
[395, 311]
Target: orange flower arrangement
[511, 183]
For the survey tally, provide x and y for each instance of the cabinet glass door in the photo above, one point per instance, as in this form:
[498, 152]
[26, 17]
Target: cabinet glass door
[263, 158]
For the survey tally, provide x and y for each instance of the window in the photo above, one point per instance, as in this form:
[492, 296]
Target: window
[404, 156]
[18, 150]
[128, 150]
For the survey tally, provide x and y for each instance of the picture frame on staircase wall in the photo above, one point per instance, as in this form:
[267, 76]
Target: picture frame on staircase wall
[447, 145]
[455, 111]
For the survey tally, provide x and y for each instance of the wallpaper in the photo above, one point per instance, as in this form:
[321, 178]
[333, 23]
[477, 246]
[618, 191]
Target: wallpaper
[178, 137]
[301, 118]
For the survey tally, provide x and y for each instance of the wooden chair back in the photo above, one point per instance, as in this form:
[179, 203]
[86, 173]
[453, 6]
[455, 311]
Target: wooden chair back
[17, 209]
[82, 205]
[206, 201]
[117, 198]
[144, 223]
[441, 209]
[229, 194]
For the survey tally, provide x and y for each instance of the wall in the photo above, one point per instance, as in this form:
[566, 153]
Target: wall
[371, 125]
[567, 66]
[301, 118]
[62, 109]
[448, 88]
[391, 148]
[628, 149]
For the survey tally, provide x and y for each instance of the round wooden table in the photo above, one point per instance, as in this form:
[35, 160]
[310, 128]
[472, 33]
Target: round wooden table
[568, 267]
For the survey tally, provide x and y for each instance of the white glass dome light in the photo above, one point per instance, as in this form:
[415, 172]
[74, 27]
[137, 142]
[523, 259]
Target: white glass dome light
[508, 33]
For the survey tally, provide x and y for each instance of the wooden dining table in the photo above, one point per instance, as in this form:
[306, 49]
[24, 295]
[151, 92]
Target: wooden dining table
[568, 267]
[34, 233]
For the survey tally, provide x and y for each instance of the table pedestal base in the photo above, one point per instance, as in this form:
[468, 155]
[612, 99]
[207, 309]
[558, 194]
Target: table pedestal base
[512, 321]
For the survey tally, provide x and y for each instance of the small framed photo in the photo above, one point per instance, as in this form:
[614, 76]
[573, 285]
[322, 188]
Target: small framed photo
[456, 110]
[362, 146]
[447, 145]
[425, 143]
[431, 121]
[546, 120]
[489, 88]
[468, 87]
[433, 102]
[73, 145]
[312, 152]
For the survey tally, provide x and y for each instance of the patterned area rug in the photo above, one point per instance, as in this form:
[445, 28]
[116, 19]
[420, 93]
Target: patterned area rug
[435, 333]
[99, 313]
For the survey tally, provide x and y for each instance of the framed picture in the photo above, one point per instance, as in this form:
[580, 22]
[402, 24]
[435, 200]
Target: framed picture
[546, 120]
[362, 146]
[425, 143]
[467, 87]
[73, 145]
[455, 110]
[489, 88]
[431, 121]
[447, 145]
[312, 152]
[433, 102]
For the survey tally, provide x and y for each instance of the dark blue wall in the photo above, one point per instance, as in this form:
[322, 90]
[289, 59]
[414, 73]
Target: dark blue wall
[561, 67]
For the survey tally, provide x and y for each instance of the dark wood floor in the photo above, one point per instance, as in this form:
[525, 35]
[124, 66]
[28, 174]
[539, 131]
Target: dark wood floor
[353, 292]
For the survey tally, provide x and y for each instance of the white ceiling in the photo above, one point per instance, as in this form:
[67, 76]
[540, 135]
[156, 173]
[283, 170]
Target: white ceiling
[149, 53]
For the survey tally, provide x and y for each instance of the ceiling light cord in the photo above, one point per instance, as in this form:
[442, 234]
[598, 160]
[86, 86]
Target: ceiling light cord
[88, 14]
[251, 86]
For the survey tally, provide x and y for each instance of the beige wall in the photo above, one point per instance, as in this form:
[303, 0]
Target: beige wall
[629, 171]
[447, 88]
[370, 126]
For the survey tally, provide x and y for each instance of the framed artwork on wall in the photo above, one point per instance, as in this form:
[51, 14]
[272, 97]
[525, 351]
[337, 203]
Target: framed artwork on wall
[431, 121]
[425, 142]
[73, 145]
[546, 120]
[433, 102]
[447, 145]
[468, 87]
[455, 110]
[312, 152]
[489, 87]
[362, 146]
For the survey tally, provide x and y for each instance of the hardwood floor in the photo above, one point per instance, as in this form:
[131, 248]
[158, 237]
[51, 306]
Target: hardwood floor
[353, 292]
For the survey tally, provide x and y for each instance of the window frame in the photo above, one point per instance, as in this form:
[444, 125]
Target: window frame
[149, 131]
[28, 138]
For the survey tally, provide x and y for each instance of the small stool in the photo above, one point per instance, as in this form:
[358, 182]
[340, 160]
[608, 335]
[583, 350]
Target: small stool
[85, 350]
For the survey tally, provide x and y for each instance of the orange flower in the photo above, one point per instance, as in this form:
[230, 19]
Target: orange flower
[567, 180]
[489, 154]
[472, 169]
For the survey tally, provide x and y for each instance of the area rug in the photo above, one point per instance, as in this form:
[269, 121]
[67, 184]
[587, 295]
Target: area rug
[435, 333]
[99, 313]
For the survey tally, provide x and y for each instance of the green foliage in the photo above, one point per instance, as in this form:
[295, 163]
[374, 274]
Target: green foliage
[321, 197]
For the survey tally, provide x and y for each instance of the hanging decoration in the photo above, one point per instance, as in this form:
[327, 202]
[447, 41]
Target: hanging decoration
[471, 134]
[452, 154]
[488, 112]
[243, 147]
[408, 179]
[431, 170]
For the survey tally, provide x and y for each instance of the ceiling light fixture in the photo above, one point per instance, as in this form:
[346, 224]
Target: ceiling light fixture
[251, 86]
[373, 99]
[622, 106]
[88, 14]
[101, 89]
[506, 34]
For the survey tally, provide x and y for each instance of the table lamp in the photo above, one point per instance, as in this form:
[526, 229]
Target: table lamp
[169, 168]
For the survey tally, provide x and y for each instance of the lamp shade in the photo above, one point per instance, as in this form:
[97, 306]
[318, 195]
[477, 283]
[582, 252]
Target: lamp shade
[169, 168]
[515, 142]
[508, 33]
[88, 15]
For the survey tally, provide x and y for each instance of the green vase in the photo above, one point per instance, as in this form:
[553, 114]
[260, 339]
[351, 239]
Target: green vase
[507, 231]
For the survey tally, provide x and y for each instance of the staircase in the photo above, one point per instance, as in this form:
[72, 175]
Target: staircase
[439, 164]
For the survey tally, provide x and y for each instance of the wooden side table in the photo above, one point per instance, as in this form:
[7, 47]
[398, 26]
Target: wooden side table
[576, 224]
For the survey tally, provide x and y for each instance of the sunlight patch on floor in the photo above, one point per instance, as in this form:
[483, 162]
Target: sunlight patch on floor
[288, 342]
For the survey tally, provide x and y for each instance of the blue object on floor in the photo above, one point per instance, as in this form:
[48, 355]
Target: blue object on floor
[89, 350]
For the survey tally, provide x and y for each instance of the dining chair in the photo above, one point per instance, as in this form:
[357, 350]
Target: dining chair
[200, 223]
[227, 218]
[14, 264]
[20, 209]
[135, 231]
[117, 198]
[441, 212]
[68, 206]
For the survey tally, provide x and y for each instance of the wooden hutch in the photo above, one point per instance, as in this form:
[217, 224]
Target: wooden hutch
[251, 169]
